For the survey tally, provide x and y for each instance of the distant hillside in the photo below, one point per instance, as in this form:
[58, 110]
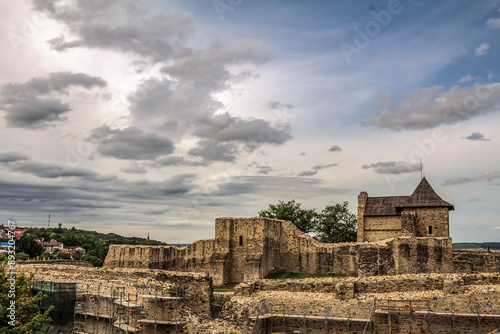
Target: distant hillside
[472, 245]
[96, 244]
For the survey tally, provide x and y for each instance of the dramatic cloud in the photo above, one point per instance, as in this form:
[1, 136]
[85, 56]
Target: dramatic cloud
[393, 167]
[8, 157]
[264, 170]
[124, 27]
[211, 150]
[335, 148]
[276, 186]
[36, 103]
[224, 128]
[175, 161]
[431, 107]
[476, 136]
[211, 66]
[484, 176]
[482, 49]
[134, 168]
[315, 170]
[278, 105]
[130, 144]
[19, 163]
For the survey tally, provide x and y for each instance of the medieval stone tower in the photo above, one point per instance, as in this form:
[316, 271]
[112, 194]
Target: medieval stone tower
[422, 214]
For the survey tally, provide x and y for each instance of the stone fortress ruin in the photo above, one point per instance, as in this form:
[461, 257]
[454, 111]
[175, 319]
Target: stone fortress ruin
[401, 276]
[396, 235]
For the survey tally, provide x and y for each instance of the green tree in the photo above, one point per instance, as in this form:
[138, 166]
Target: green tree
[44, 256]
[28, 245]
[28, 316]
[22, 256]
[96, 262]
[63, 256]
[336, 224]
[304, 219]
[77, 256]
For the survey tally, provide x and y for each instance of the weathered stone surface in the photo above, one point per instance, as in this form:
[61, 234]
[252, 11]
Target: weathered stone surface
[252, 248]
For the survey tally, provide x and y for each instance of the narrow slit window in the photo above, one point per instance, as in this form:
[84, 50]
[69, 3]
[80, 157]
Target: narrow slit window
[430, 229]
[241, 240]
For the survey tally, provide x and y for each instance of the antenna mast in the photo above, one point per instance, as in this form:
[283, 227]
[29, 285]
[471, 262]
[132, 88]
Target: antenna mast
[48, 224]
[421, 170]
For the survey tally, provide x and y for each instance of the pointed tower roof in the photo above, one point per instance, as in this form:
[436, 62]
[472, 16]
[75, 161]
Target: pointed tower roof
[424, 196]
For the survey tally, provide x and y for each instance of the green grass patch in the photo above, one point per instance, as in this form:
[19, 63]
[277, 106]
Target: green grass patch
[466, 246]
[221, 300]
[284, 275]
[224, 288]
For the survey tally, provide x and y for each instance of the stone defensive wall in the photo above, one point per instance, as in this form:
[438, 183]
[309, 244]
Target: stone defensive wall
[252, 248]
[476, 260]
[416, 303]
[350, 287]
[194, 288]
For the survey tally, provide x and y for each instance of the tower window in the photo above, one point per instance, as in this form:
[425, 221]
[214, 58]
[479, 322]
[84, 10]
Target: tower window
[430, 229]
[241, 240]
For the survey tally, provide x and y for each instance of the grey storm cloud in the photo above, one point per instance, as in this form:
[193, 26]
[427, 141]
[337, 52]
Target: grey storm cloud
[175, 161]
[124, 27]
[484, 176]
[225, 127]
[335, 148]
[134, 168]
[7, 157]
[315, 169]
[20, 163]
[210, 150]
[264, 170]
[433, 106]
[275, 186]
[144, 189]
[130, 143]
[393, 167]
[308, 172]
[36, 103]
[476, 136]
[171, 105]
[78, 196]
[211, 66]
[278, 105]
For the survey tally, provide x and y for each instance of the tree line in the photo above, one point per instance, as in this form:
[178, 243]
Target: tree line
[96, 244]
[335, 223]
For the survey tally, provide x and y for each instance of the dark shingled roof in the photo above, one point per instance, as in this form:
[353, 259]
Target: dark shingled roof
[384, 206]
[423, 196]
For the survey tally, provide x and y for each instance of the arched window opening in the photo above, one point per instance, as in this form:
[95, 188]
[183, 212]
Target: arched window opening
[241, 240]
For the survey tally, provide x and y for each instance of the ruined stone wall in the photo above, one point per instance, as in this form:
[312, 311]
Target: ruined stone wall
[346, 288]
[200, 256]
[430, 303]
[252, 248]
[380, 228]
[435, 218]
[476, 260]
[422, 255]
[362, 198]
[196, 287]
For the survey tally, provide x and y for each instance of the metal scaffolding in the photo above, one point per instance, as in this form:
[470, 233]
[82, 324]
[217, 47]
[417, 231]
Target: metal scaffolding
[139, 310]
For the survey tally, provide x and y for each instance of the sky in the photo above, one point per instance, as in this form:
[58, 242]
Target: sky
[139, 117]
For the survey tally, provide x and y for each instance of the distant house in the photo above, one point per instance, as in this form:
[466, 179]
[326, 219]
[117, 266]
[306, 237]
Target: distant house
[51, 246]
[76, 249]
[18, 232]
